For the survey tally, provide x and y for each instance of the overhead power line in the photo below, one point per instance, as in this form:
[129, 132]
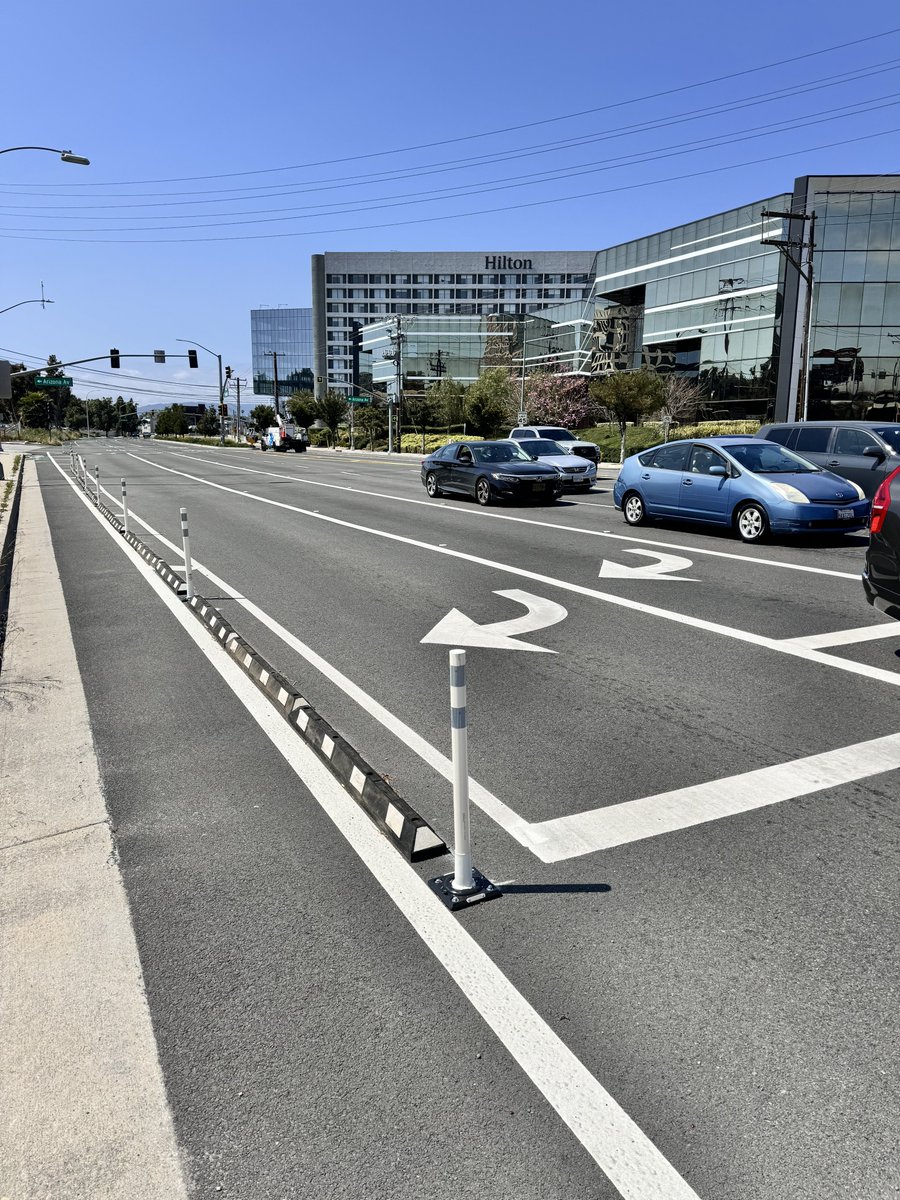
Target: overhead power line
[729, 77]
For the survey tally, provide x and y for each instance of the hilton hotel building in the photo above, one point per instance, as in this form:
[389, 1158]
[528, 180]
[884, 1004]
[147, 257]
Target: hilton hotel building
[367, 287]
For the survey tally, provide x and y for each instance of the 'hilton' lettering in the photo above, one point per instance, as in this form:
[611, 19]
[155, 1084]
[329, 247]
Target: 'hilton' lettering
[502, 262]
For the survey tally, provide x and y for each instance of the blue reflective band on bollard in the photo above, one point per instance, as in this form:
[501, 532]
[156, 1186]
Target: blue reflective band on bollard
[458, 676]
[457, 718]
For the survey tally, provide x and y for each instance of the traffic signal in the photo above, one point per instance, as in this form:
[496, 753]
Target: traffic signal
[192, 358]
[114, 358]
[228, 372]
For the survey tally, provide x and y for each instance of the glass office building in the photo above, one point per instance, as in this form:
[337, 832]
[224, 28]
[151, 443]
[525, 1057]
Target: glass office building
[722, 300]
[288, 334]
[854, 361]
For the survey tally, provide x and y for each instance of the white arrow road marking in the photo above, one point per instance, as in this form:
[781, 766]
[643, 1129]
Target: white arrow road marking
[661, 569]
[456, 629]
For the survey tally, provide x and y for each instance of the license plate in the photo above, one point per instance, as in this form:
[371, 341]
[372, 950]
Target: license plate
[537, 487]
[845, 514]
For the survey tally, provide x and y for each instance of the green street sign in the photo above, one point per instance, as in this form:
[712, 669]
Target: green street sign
[357, 400]
[53, 381]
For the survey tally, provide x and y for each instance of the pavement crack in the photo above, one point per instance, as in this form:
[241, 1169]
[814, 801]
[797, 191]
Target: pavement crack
[56, 833]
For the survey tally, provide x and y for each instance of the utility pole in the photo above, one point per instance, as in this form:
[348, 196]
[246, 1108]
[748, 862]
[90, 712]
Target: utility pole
[238, 381]
[397, 339]
[274, 354]
[803, 264]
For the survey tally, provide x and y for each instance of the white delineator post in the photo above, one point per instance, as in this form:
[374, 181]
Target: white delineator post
[97, 481]
[463, 880]
[83, 471]
[186, 542]
[124, 509]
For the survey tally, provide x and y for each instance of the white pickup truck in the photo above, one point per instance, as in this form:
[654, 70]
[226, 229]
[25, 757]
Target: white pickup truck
[561, 436]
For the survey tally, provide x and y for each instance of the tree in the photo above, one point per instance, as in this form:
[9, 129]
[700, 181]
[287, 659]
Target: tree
[627, 396]
[681, 398]
[130, 419]
[449, 397]
[490, 401]
[172, 420]
[208, 423]
[35, 410]
[302, 408]
[331, 410]
[262, 417]
[555, 399]
[371, 421]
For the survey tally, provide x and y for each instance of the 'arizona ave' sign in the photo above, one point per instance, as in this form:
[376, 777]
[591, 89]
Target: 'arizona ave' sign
[53, 381]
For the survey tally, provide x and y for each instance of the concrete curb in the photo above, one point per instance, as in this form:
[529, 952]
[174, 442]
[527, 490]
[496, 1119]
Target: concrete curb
[396, 819]
[8, 528]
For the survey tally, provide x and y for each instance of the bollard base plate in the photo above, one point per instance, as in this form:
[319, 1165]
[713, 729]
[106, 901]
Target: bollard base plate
[442, 886]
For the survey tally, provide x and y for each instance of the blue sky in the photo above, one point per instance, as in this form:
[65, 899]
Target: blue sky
[229, 142]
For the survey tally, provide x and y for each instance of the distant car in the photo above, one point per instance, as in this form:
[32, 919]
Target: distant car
[750, 484]
[577, 472]
[863, 451]
[556, 433]
[490, 471]
[881, 578]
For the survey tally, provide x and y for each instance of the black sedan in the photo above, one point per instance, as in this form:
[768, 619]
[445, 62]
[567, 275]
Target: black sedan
[881, 578]
[489, 471]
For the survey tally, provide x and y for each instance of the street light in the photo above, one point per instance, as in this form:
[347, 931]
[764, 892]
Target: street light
[200, 345]
[65, 155]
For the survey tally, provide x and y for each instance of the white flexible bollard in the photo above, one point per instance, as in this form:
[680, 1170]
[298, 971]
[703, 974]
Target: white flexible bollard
[97, 481]
[186, 542]
[124, 509]
[463, 880]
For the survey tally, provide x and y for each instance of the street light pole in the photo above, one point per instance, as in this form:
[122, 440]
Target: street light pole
[65, 155]
[218, 358]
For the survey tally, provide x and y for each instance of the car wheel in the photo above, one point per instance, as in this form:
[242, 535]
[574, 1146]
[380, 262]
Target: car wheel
[298, 449]
[633, 509]
[483, 492]
[431, 485]
[751, 523]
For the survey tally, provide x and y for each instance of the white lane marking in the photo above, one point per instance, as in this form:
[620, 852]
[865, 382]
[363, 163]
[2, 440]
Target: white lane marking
[579, 833]
[616, 1143]
[847, 637]
[458, 629]
[465, 510]
[516, 826]
[661, 569]
[634, 820]
[740, 635]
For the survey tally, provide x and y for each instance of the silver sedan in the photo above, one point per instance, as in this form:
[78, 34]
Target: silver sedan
[577, 472]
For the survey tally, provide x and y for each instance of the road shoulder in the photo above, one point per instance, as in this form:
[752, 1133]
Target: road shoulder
[83, 1089]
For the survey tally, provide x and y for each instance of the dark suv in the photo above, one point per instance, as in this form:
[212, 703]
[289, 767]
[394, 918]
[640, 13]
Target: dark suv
[881, 578]
[863, 451]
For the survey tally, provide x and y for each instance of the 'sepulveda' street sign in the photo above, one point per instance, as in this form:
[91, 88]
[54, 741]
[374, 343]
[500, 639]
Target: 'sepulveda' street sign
[53, 381]
[357, 400]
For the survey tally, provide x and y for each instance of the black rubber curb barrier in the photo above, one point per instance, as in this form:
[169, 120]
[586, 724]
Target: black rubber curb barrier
[393, 815]
[396, 819]
[8, 548]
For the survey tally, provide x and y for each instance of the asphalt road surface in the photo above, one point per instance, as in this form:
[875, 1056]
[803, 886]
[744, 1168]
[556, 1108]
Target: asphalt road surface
[685, 762]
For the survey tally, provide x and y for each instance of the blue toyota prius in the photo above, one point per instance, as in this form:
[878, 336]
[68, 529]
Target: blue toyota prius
[750, 484]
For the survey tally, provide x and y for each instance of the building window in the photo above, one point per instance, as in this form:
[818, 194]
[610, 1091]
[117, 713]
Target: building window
[395, 279]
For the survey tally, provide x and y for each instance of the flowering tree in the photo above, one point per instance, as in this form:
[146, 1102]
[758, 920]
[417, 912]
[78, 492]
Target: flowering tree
[554, 399]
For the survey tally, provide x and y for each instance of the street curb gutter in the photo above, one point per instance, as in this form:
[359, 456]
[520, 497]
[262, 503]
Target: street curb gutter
[396, 818]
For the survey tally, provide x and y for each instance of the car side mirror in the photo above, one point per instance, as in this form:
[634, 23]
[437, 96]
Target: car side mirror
[873, 452]
[533, 457]
[720, 471]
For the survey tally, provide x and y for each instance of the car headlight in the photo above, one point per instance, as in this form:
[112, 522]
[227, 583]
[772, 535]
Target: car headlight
[505, 476]
[789, 492]
[860, 493]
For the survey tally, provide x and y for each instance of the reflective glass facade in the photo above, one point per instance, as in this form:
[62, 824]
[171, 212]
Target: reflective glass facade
[288, 332]
[722, 299]
[458, 348]
[855, 336]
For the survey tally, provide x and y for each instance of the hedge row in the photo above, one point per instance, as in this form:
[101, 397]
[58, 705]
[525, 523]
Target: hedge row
[640, 437]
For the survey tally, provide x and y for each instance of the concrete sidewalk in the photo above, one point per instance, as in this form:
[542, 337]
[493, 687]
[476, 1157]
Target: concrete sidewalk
[85, 1112]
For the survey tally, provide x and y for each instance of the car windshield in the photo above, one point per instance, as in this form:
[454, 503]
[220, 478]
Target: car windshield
[891, 435]
[498, 452]
[768, 458]
[557, 435]
[540, 446]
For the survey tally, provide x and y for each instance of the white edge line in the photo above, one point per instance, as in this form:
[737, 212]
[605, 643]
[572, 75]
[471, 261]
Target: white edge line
[619, 1147]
